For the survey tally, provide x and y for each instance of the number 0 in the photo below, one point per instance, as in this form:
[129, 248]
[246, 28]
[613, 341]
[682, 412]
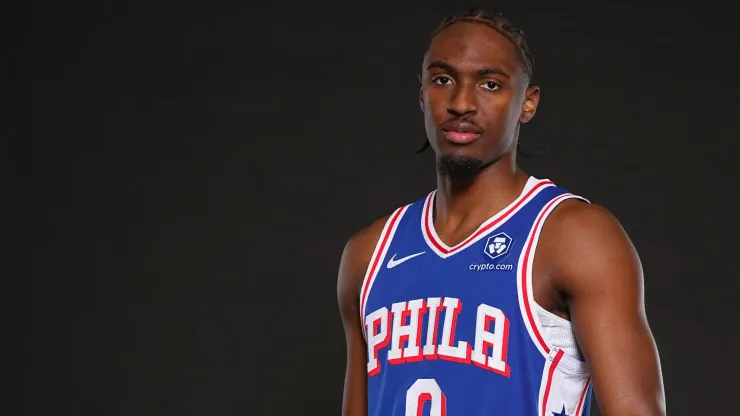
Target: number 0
[423, 390]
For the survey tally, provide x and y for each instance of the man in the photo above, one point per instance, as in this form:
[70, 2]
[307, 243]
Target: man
[498, 293]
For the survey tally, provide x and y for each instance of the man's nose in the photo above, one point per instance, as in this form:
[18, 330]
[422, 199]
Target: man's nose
[463, 102]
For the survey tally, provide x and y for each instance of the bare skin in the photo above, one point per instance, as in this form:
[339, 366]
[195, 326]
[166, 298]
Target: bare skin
[354, 263]
[585, 268]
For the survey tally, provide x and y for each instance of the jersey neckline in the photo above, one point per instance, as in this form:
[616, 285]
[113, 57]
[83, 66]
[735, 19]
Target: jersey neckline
[530, 190]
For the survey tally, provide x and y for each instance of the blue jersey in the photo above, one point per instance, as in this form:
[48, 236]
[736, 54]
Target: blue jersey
[454, 330]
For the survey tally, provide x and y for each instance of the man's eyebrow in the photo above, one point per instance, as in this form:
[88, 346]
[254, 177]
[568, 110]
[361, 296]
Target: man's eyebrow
[481, 72]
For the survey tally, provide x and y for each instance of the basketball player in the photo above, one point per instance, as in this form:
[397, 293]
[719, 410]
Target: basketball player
[498, 293]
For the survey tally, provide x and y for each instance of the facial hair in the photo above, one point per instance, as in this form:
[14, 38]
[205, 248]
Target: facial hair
[459, 169]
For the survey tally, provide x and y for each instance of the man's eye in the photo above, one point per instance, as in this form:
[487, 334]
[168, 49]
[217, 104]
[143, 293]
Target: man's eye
[490, 85]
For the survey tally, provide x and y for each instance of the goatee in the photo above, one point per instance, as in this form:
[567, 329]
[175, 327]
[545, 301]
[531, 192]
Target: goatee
[459, 169]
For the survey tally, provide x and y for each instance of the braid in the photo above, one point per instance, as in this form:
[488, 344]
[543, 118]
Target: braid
[500, 24]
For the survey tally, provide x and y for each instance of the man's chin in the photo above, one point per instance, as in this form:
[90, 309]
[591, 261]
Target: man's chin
[459, 166]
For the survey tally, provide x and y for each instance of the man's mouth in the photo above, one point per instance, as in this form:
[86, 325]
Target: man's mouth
[460, 132]
[460, 137]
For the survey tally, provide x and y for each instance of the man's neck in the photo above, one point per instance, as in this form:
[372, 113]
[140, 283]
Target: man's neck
[489, 192]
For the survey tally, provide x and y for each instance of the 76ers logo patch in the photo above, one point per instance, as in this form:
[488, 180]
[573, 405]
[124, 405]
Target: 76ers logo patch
[498, 245]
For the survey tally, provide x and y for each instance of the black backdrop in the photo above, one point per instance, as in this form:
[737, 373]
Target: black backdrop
[198, 168]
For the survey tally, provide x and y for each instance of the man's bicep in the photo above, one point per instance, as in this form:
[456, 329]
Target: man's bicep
[617, 345]
[355, 378]
[602, 280]
[354, 262]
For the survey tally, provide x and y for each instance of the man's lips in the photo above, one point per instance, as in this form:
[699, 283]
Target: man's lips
[459, 137]
[460, 132]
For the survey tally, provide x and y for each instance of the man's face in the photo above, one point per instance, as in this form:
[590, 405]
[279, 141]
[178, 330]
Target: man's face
[474, 94]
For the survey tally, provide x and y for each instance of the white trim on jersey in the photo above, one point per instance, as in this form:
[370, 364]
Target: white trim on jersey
[524, 276]
[565, 379]
[533, 187]
[377, 259]
[565, 382]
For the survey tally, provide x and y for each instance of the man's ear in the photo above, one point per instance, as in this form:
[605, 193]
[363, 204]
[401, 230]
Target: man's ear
[531, 101]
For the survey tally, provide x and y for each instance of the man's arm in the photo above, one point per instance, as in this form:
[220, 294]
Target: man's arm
[598, 272]
[352, 268]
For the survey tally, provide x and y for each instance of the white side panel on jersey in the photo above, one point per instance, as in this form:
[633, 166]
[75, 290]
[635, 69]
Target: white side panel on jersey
[565, 382]
[378, 257]
[527, 304]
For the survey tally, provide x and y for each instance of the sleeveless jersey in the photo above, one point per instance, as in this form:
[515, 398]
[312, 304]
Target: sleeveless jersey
[454, 330]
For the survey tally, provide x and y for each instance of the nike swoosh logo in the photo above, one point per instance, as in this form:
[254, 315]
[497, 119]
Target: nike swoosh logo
[393, 262]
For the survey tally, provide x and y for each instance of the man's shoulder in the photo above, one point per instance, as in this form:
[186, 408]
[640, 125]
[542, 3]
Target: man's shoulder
[579, 238]
[366, 238]
[360, 246]
[358, 250]
[362, 243]
[576, 216]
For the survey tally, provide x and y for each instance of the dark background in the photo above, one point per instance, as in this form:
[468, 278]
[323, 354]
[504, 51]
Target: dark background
[198, 169]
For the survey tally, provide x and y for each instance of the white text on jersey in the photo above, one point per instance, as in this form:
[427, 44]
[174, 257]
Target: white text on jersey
[401, 328]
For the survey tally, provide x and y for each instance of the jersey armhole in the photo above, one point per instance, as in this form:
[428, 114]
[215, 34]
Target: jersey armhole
[527, 304]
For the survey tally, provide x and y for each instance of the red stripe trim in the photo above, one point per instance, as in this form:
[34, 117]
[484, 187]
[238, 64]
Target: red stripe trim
[376, 260]
[441, 247]
[583, 397]
[553, 366]
[525, 268]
